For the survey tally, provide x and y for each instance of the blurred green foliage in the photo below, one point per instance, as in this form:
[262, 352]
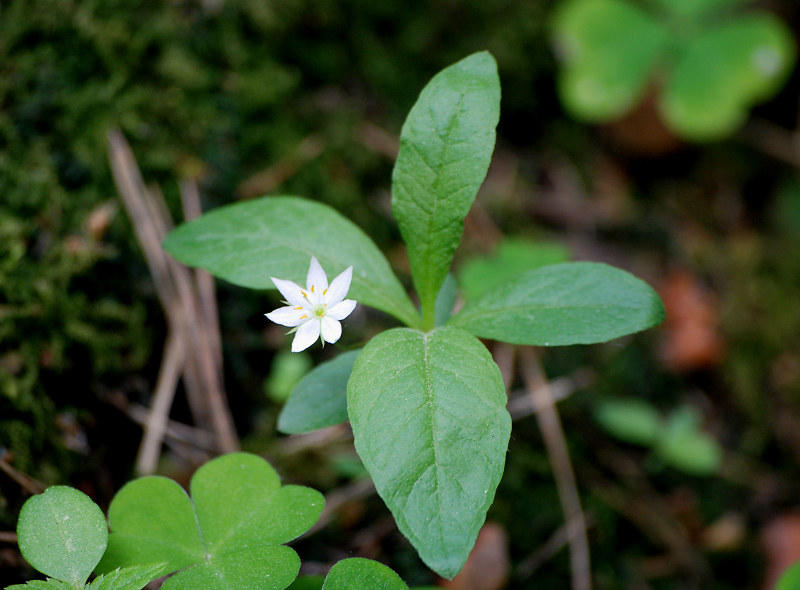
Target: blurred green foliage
[222, 90]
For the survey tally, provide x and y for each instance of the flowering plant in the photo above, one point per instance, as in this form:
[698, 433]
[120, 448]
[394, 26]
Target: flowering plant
[426, 401]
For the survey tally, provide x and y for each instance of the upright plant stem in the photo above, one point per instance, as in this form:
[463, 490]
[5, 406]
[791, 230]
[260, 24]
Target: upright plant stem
[556, 445]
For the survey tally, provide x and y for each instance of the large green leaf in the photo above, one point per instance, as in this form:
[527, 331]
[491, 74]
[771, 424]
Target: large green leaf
[229, 536]
[320, 399]
[430, 423]
[723, 72]
[63, 534]
[561, 304]
[608, 49]
[247, 243]
[445, 148]
[358, 572]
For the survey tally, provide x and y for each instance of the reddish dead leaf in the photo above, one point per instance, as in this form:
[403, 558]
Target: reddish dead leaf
[692, 337]
[781, 541]
[488, 564]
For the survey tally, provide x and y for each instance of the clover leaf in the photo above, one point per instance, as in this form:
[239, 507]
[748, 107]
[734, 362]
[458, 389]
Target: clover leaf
[228, 535]
[63, 534]
[709, 62]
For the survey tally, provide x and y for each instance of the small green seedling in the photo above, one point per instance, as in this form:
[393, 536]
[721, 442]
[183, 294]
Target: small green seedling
[678, 440]
[426, 401]
[710, 60]
[63, 534]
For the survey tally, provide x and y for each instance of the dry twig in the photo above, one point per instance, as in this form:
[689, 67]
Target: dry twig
[192, 349]
[555, 443]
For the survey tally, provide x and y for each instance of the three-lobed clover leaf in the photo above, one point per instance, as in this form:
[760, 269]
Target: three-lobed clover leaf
[709, 63]
[228, 535]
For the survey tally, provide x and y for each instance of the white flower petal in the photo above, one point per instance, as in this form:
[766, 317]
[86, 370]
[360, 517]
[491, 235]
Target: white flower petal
[316, 281]
[289, 316]
[341, 310]
[291, 291]
[339, 287]
[306, 335]
[331, 329]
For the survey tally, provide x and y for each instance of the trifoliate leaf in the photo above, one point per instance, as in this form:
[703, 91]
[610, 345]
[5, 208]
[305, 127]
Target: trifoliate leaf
[228, 536]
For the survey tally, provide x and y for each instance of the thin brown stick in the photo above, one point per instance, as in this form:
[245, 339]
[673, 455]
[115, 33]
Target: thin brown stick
[173, 431]
[356, 490]
[154, 429]
[522, 404]
[8, 537]
[545, 552]
[26, 482]
[190, 199]
[177, 291]
[556, 445]
[269, 179]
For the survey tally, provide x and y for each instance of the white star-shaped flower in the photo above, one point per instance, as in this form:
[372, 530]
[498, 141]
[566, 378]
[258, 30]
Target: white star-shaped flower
[314, 312]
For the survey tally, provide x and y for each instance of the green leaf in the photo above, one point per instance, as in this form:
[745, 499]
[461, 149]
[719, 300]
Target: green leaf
[430, 423]
[513, 257]
[608, 49]
[229, 535]
[631, 420]
[48, 584]
[129, 578]
[446, 145]
[723, 72]
[247, 243]
[320, 398]
[695, 9]
[287, 369]
[685, 446]
[358, 572]
[790, 578]
[561, 304]
[62, 534]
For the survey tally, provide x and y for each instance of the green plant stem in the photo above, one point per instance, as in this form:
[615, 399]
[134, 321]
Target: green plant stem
[428, 315]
